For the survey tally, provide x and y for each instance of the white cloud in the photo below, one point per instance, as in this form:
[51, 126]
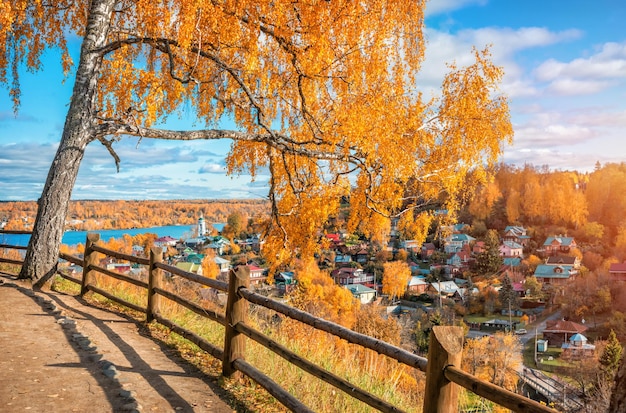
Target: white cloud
[212, 168]
[571, 87]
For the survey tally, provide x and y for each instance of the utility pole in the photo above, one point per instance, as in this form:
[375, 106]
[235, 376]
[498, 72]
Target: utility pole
[535, 346]
[510, 319]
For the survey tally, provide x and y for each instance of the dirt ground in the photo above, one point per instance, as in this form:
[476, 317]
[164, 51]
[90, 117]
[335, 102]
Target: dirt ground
[59, 355]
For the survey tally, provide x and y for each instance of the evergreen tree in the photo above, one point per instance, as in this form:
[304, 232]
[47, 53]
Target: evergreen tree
[489, 261]
[611, 355]
[506, 295]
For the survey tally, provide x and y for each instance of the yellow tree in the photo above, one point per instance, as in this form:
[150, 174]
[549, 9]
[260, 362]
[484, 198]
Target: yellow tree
[396, 275]
[324, 94]
[209, 268]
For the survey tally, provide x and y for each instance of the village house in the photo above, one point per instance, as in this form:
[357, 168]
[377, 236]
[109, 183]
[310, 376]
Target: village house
[558, 332]
[455, 242]
[564, 260]
[191, 267]
[516, 234]
[218, 244]
[445, 289]
[410, 245]
[458, 261]
[427, 250]
[417, 284]
[555, 274]
[478, 247]
[511, 249]
[577, 348]
[349, 276]
[222, 264]
[257, 275]
[285, 281]
[362, 256]
[558, 244]
[165, 242]
[618, 271]
[342, 260]
[362, 293]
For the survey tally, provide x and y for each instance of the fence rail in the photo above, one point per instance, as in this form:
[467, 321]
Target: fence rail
[443, 374]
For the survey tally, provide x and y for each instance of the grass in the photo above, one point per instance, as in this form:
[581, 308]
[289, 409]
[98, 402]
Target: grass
[383, 377]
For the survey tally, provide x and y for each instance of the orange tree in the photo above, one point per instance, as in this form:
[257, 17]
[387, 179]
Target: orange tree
[396, 276]
[323, 94]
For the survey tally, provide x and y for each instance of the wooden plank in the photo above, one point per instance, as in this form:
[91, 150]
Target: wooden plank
[121, 256]
[445, 349]
[119, 276]
[210, 314]
[215, 351]
[236, 312]
[282, 395]
[496, 394]
[89, 261]
[116, 299]
[155, 279]
[71, 258]
[353, 337]
[14, 247]
[208, 282]
[317, 371]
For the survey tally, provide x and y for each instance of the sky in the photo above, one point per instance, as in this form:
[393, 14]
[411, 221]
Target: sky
[565, 77]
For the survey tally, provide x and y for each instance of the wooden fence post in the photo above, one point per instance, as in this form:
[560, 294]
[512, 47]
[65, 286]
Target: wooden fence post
[445, 348]
[154, 281]
[88, 259]
[236, 311]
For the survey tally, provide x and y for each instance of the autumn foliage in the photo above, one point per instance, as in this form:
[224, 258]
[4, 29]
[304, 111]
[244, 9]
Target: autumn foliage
[324, 95]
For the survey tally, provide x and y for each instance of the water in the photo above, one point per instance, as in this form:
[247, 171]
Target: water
[80, 237]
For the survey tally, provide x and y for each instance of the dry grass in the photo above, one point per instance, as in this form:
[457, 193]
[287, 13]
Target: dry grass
[379, 375]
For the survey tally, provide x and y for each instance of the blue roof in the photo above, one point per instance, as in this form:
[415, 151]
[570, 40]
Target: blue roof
[359, 289]
[512, 261]
[554, 271]
[561, 240]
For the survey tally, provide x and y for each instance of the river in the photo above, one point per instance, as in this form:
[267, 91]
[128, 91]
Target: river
[79, 237]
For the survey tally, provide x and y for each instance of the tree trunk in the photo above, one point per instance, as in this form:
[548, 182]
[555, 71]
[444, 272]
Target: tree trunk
[43, 248]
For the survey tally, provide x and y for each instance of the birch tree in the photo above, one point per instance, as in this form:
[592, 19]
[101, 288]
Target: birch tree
[324, 95]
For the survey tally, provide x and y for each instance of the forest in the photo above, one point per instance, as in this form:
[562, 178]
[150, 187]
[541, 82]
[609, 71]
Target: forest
[89, 215]
[590, 207]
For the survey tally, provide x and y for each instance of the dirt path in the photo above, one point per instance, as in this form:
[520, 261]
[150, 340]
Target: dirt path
[59, 355]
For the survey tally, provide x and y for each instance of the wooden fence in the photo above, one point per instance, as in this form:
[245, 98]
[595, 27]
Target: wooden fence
[444, 377]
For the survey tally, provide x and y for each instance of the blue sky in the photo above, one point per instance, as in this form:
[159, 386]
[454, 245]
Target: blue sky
[565, 75]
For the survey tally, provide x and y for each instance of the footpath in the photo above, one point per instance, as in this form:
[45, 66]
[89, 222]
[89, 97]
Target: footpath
[58, 354]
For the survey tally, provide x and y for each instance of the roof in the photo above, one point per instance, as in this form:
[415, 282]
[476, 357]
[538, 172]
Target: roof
[518, 287]
[512, 261]
[220, 260]
[618, 267]
[515, 230]
[578, 337]
[188, 266]
[512, 245]
[417, 280]
[561, 260]
[565, 241]
[347, 272]
[358, 289]
[555, 271]
[445, 286]
[166, 238]
[461, 237]
[563, 326]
